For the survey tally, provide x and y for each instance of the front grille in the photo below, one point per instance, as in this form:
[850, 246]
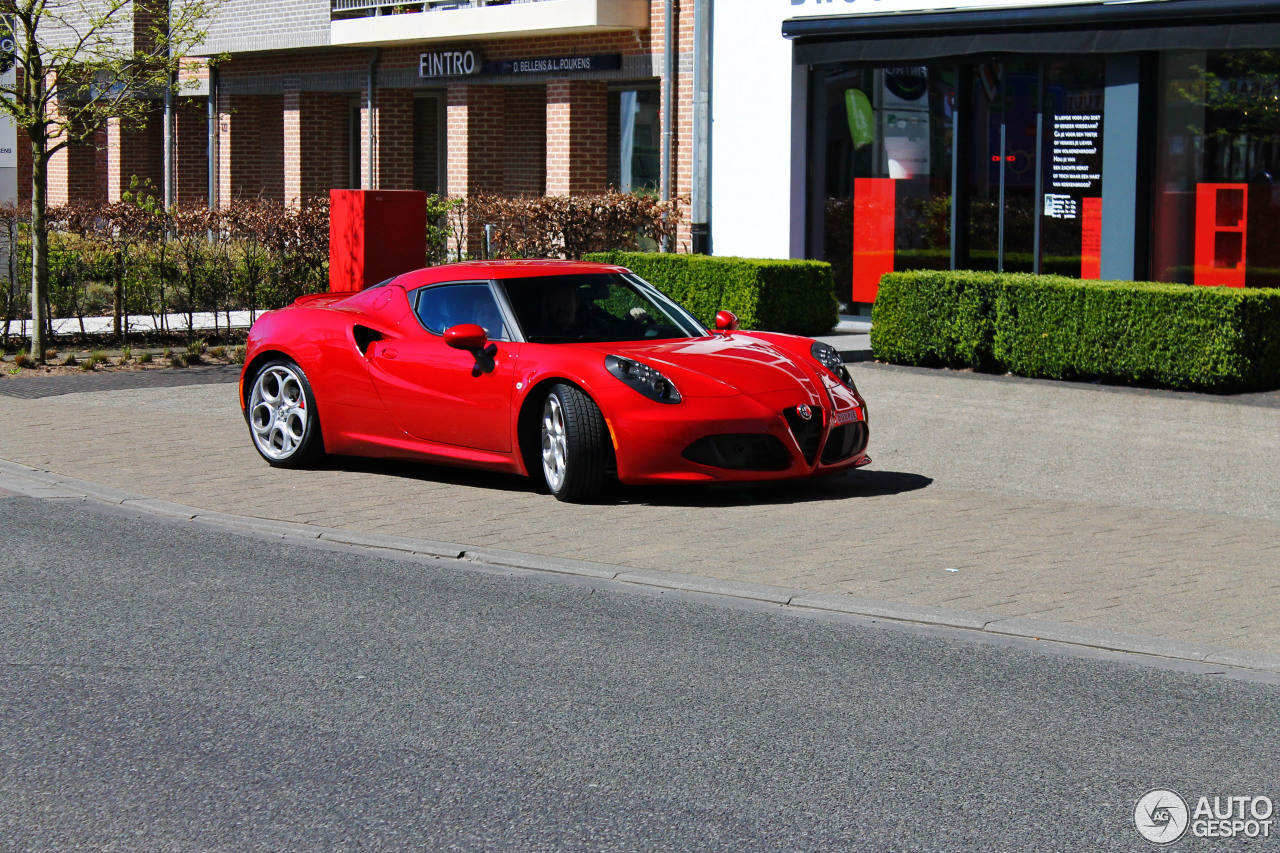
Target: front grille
[807, 433]
[843, 442]
[743, 452]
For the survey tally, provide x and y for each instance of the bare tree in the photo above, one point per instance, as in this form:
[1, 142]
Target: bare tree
[80, 63]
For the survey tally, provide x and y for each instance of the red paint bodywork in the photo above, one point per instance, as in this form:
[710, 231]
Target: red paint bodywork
[410, 395]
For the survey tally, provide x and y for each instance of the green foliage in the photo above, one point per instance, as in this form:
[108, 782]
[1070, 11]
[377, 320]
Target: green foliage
[1168, 335]
[144, 358]
[439, 210]
[780, 296]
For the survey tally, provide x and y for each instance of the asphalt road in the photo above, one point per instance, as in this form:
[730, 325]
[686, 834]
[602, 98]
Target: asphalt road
[212, 691]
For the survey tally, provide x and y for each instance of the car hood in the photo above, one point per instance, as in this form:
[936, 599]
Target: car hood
[720, 366]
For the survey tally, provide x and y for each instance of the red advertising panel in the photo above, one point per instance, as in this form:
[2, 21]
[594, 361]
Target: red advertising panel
[873, 218]
[1222, 212]
[374, 235]
[1091, 238]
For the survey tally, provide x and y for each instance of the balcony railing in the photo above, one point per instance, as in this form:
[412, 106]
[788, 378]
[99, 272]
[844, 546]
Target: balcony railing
[365, 8]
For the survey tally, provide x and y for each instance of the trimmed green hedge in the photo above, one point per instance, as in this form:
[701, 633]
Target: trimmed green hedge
[1169, 335]
[780, 296]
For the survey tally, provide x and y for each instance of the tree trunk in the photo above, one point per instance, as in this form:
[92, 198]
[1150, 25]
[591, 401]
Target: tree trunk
[39, 250]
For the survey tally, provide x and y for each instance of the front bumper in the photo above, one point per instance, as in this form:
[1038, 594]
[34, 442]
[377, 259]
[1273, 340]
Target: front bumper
[653, 443]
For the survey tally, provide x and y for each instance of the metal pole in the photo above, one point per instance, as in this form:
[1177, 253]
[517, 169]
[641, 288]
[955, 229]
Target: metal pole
[168, 144]
[668, 99]
[212, 152]
[371, 183]
[700, 192]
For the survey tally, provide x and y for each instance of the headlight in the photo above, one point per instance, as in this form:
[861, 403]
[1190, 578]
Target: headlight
[643, 378]
[826, 355]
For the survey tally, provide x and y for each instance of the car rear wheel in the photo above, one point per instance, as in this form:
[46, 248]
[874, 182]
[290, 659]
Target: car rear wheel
[282, 415]
[574, 444]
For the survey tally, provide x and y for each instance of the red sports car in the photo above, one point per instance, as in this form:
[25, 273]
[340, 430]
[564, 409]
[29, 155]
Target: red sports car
[569, 372]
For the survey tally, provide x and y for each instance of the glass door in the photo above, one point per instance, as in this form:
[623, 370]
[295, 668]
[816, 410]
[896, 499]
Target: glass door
[1003, 130]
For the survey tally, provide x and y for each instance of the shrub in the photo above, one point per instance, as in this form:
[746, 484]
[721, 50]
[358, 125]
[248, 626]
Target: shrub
[70, 360]
[563, 226]
[1170, 335]
[125, 355]
[144, 358]
[23, 359]
[780, 296]
[218, 352]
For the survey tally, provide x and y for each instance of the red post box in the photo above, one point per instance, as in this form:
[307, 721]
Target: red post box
[374, 235]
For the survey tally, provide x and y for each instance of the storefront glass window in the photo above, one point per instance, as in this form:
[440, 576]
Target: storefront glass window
[1216, 211]
[1022, 136]
[635, 140]
[1071, 204]
[886, 173]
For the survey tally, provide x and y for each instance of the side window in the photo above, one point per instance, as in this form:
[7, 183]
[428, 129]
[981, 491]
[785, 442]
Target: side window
[448, 305]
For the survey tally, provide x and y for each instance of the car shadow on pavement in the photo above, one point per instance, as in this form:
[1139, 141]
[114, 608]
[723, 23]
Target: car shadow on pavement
[853, 484]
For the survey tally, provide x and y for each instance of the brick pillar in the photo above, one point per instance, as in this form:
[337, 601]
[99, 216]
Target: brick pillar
[324, 122]
[474, 133]
[270, 115]
[250, 147]
[577, 130]
[135, 149]
[475, 159]
[393, 156]
[191, 152]
[73, 172]
[292, 148]
[315, 145]
[524, 134]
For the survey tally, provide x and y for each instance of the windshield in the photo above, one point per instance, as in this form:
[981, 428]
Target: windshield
[596, 307]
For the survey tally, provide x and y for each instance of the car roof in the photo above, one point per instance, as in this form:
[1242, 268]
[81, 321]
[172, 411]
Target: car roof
[472, 270]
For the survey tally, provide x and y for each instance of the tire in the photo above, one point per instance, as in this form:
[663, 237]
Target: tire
[575, 444]
[283, 420]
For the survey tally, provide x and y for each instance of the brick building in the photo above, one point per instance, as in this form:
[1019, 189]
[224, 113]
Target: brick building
[516, 97]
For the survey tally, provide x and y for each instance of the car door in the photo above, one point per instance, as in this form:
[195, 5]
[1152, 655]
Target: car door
[446, 395]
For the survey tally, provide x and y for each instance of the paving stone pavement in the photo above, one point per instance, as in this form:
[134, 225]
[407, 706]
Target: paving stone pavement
[1144, 513]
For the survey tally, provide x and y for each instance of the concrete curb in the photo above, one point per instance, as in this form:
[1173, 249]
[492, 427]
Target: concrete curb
[36, 483]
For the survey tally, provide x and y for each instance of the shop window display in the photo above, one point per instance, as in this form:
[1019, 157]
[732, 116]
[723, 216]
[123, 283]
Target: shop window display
[1007, 153]
[1216, 206]
[887, 165]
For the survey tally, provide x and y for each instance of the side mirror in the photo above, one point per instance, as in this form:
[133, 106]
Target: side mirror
[726, 321]
[468, 336]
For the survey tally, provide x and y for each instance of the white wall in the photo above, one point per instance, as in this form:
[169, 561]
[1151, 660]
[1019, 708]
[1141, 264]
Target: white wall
[756, 188]
[751, 129]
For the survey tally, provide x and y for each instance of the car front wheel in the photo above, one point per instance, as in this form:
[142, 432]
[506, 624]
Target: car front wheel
[574, 444]
[282, 415]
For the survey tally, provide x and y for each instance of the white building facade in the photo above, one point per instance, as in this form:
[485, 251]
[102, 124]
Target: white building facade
[1115, 140]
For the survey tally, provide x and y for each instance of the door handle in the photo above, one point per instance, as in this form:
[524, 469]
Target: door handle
[389, 352]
